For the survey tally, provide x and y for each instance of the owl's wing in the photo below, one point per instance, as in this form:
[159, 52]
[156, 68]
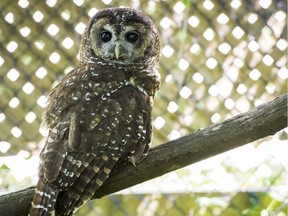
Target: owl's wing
[118, 134]
[90, 136]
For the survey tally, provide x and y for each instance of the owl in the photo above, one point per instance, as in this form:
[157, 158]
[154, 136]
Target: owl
[100, 113]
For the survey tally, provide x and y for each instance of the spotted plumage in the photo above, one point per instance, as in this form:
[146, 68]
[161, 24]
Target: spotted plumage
[100, 112]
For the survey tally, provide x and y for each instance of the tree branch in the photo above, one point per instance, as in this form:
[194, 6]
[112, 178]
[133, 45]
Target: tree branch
[257, 123]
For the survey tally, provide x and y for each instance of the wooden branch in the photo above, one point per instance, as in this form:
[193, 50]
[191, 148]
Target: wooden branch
[260, 122]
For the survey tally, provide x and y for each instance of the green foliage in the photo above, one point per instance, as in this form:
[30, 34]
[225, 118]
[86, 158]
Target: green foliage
[196, 204]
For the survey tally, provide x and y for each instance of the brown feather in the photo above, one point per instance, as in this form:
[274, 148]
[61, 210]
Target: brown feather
[100, 113]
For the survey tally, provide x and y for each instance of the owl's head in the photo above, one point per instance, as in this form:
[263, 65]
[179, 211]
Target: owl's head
[120, 36]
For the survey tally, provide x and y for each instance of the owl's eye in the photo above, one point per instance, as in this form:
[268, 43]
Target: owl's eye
[106, 36]
[132, 36]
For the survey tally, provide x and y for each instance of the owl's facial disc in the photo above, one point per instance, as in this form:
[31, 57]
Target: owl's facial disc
[118, 43]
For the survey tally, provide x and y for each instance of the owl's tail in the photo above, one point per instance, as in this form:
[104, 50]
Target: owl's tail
[85, 186]
[43, 201]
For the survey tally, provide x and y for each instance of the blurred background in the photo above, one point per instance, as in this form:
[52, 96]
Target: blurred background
[219, 58]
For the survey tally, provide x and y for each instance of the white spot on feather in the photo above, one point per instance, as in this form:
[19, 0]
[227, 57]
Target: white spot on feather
[139, 87]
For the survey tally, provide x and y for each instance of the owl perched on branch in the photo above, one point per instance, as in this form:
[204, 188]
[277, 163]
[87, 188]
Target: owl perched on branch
[100, 113]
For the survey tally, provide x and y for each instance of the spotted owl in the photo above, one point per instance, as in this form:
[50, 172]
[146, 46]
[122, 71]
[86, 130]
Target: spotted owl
[100, 113]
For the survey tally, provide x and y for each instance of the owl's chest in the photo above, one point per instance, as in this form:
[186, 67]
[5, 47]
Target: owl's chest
[121, 114]
[92, 86]
[109, 88]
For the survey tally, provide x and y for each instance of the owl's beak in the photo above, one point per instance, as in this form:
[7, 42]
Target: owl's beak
[117, 51]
